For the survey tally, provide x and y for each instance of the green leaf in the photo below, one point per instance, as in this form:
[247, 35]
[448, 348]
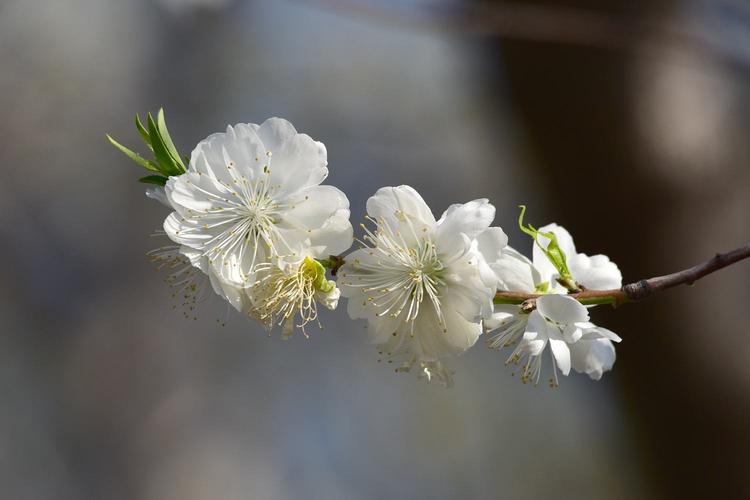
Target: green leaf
[167, 140]
[144, 133]
[154, 179]
[166, 164]
[147, 164]
[554, 253]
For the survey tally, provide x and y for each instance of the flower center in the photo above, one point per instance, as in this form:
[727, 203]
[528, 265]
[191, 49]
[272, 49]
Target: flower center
[404, 273]
[246, 217]
[283, 294]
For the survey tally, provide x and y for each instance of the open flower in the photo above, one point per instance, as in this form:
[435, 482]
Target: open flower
[558, 320]
[252, 194]
[287, 294]
[561, 323]
[421, 284]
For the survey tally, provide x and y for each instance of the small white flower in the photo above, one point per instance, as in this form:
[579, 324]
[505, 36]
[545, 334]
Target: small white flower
[253, 194]
[286, 294]
[562, 323]
[422, 285]
[558, 321]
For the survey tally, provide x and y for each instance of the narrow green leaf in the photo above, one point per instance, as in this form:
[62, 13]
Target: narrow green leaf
[554, 253]
[154, 179]
[166, 164]
[167, 140]
[144, 133]
[147, 164]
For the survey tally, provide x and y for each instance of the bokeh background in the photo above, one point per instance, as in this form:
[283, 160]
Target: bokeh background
[626, 121]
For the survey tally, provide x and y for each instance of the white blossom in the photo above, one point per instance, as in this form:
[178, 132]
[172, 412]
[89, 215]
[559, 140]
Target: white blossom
[253, 194]
[422, 285]
[562, 323]
[558, 320]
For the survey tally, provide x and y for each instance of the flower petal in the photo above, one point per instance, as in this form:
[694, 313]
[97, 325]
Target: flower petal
[560, 350]
[274, 132]
[228, 157]
[393, 204]
[492, 242]
[470, 218]
[572, 332]
[433, 340]
[599, 332]
[596, 272]
[561, 308]
[535, 337]
[297, 163]
[593, 356]
[157, 193]
[321, 215]
[515, 272]
[235, 296]
[502, 316]
[466, 289]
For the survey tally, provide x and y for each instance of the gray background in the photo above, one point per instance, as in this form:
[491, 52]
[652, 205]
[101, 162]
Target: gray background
[639, 147]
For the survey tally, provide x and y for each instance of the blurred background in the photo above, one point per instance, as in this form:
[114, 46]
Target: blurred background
[626, 121]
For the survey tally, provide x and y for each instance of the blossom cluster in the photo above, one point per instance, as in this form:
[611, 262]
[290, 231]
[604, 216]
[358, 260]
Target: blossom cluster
[252, 222]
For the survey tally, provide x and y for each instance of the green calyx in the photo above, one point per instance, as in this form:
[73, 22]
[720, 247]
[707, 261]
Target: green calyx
[314, 270]
[166, 162]
[554, 253]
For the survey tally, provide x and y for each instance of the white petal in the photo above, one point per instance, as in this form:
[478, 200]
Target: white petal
[466, 288]
[190, 232]
[274, 132]
[593, 357]
[329, 300]
[492, 242]
[560, 350]
[395, 203]
[564, 241]
[157, 193]
[572, 332]
[470, 218]
[596, 273]
[227, 157]
[502, 316]
[599, 332]
[515, 272]
[561, 308]
[235, 296]
[195, 193]
[297, 163]
[434, 341]
[535, 337]
[321, 215]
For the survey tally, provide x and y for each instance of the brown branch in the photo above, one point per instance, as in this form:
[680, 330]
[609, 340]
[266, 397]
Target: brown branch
[641, 289]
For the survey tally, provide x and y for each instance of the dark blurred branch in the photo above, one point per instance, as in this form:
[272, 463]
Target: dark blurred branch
[542, 23]
[638, 290]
